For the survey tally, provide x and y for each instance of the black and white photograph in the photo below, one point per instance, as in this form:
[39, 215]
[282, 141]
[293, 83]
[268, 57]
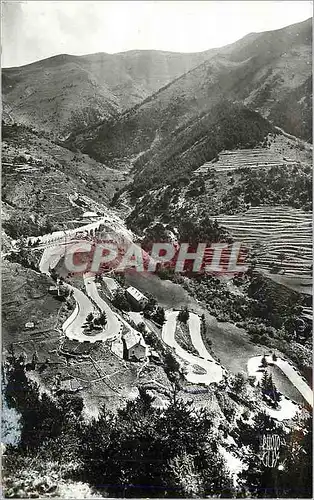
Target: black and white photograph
[156, 270]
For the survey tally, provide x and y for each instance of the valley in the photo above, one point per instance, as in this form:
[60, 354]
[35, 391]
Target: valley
[132, 383]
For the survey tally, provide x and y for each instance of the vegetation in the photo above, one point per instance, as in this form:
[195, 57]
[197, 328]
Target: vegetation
[120, 301]
[284, 185]
[20, 225]
[290, 478]
[24, 256]
[133, 453]
[159, 316]
[227, 126]
[143, 451]
[269, 390]
[184, 315]
[269, 313]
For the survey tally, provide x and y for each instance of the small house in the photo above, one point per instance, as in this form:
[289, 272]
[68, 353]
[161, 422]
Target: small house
[135, 348]
[30, 325]
[54, 290]
[90, 215]
[59, 291]
[136, 298]
[70, 385]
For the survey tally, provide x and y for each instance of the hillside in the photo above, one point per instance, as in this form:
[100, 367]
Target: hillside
[67, 93]
[46, 187]
[268, 72]
[262, 196]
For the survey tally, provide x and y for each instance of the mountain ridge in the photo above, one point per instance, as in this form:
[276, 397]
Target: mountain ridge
[262, 80]
[66, 94]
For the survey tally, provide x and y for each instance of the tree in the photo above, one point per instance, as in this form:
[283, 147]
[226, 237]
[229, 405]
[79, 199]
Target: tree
[120, 278]
[260, 481]
[53, 273]
[101, 320]
[172, 367]
[159, 316]
[264, 381]
[90, 318]
[269, 388]
[150, 305]
[274, 357]
[120, 302]
[264, 361]
[238, 383]
[141, 327]
[297, 477]
[184, 315]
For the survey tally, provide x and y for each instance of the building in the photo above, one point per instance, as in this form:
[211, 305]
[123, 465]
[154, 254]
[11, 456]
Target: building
[30, 325]
[136, 297]
[135, 348]
[70, 385]
[53, 290]
[90, 215]
[59, 291]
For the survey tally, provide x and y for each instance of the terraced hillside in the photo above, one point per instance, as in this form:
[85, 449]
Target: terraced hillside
[284, 234]
[245, 158]
[276, 215]
[278, 150]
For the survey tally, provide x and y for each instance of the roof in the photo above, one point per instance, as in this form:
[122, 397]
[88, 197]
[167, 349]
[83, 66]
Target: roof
[70, 385]
[90, 214]
[30, 324]
[136, 294]
[133, 338]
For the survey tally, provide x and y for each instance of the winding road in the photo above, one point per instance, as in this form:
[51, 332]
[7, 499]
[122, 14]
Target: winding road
[254, 369]
[114, 325]
[73, 326]
[214, 372]
[73, 329]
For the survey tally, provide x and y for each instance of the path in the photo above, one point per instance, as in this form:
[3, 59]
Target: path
[194, 324]
[214, 372]
[73, 326]
[114, 325]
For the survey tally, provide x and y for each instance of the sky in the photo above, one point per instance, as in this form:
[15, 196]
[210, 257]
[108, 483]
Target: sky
[33, 30]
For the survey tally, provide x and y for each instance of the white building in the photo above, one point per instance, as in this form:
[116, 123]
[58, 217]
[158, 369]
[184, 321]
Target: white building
[135, 347]
[30, 325]
[88, 215]
[137, 298]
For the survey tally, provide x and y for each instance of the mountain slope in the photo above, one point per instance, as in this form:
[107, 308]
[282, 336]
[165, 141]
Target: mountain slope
[265, 71]
[66, 93]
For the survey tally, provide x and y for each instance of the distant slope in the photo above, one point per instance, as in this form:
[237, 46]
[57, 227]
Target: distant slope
[46, 187]
[268, 72]
[67, 93]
